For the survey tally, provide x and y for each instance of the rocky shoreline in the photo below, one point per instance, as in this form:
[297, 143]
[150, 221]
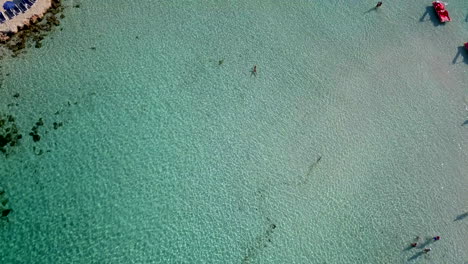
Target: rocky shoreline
[34, 30]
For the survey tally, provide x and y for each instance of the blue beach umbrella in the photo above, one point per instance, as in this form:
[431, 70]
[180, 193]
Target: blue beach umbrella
[9, 5]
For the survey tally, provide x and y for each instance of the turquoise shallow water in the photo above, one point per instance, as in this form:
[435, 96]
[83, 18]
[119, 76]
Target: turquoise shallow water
[346, 145]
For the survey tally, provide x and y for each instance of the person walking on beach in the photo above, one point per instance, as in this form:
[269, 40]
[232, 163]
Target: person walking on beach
[426, 250]
[436, 238]
[378, 4]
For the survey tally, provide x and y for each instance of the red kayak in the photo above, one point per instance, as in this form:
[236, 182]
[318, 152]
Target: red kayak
[442, 13]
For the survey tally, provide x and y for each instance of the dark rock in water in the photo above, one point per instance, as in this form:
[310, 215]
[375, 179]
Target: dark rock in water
[2, 191]
[76, 6]
[35, 137]
[16, 95]
[40, 122]
[8, 133]
[57, 125]
[38, 38]
[6, 212]
[53, 19]
[4, 201]
[3, 141]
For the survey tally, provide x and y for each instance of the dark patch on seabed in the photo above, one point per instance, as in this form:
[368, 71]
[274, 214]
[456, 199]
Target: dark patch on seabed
[5, 210]
[9, 134]
[265, 237]
[11, 137]
[34, 131]
[261, 241]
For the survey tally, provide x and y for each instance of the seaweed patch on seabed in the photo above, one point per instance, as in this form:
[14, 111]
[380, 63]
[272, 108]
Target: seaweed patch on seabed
[4, 208]
[33, 33]
[34, 131]
[9, 134]
[265, 237]
[261, 241]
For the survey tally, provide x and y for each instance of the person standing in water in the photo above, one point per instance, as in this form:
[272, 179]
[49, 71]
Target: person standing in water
[378, 4]
[254, 70]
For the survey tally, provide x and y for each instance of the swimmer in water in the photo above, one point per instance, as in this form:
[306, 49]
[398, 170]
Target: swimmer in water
[254, 70]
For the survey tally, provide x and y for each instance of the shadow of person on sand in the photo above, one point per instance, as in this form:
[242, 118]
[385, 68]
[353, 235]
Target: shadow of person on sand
[464, 215]
[461, 52]
[432, 16]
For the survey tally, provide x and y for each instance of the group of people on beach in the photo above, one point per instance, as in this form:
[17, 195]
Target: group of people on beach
[425, 250]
